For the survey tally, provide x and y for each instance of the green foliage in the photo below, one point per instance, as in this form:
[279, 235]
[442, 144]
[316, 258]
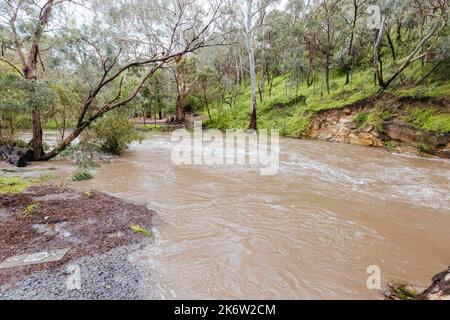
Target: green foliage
[82, 175]
[377, 117]
[144, 232]
[13, 185]
[31, 209]
[390, 145]
[361, 119]
[428, 119]
[154, 128]
[401, 291]
[113, 133]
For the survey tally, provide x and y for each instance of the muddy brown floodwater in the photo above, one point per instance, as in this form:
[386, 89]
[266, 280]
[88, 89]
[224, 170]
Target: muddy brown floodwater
[309, 232]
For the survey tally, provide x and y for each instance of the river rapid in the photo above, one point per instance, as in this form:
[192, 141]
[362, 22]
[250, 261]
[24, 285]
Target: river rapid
[309, 232]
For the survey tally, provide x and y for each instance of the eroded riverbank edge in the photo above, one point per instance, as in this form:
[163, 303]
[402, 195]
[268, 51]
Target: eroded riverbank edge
[390, 122]
[100, 232]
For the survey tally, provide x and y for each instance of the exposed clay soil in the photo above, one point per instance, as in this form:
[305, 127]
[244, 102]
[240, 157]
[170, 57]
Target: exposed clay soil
[88, 224]
[338, 125]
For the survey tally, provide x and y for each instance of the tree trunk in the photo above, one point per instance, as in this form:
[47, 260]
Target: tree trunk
[349, 65]
[181, 99]
[36, 126]
[391, 45]
[327, 73]
[399, 31]
[249, 34]
[182, 94]
[347, 75]
[38, 148]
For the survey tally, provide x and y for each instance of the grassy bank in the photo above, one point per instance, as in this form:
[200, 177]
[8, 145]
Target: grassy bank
[290, 109]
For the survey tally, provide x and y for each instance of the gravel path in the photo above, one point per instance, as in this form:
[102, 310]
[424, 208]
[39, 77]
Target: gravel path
[103, 277]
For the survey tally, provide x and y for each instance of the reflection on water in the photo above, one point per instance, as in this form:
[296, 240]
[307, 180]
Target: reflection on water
[309, 232]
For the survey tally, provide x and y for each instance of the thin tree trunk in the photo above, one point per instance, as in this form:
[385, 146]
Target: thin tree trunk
[391, 45]
[425, 77]
[251, 57]
[352, 39]
[327, 73]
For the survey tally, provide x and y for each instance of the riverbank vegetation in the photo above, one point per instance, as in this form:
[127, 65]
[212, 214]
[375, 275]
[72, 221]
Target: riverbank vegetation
[244, 64]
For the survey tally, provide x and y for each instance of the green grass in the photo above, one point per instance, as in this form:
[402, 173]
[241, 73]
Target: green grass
[144, 232]
[31, 209]
[290, 110]
[13, 185]
[153, 128]
[428, 119]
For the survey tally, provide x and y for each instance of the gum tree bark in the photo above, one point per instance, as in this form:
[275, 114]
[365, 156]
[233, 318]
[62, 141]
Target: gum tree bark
[29, 69]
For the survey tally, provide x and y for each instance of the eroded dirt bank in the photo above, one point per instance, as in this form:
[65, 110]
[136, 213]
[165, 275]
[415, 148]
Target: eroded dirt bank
[387, 121]
[100, 232]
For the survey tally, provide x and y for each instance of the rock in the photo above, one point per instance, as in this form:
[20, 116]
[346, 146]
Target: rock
[368, 129]
[53, 229]
[365, 142]
[400, 132]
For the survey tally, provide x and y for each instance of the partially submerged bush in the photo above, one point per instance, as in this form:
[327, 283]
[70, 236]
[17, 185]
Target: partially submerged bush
[113, 133]
[82, 175]
[85, 154]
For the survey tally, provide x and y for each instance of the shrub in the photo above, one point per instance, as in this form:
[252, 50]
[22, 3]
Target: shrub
[82, 175]
[113, 133]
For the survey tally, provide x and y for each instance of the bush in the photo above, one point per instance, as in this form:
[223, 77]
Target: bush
[113, 133]
[82, 175]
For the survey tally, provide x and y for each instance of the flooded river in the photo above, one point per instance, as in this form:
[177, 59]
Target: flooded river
[309, 232]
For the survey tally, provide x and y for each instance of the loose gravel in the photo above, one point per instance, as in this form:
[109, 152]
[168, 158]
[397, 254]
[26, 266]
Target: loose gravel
[109, 276]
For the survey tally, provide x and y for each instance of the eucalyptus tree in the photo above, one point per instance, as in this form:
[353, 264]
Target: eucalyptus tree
[250, 14]
[27, 23]
[144, 40]
[320, 34]
[352, 11]
[434, 16]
